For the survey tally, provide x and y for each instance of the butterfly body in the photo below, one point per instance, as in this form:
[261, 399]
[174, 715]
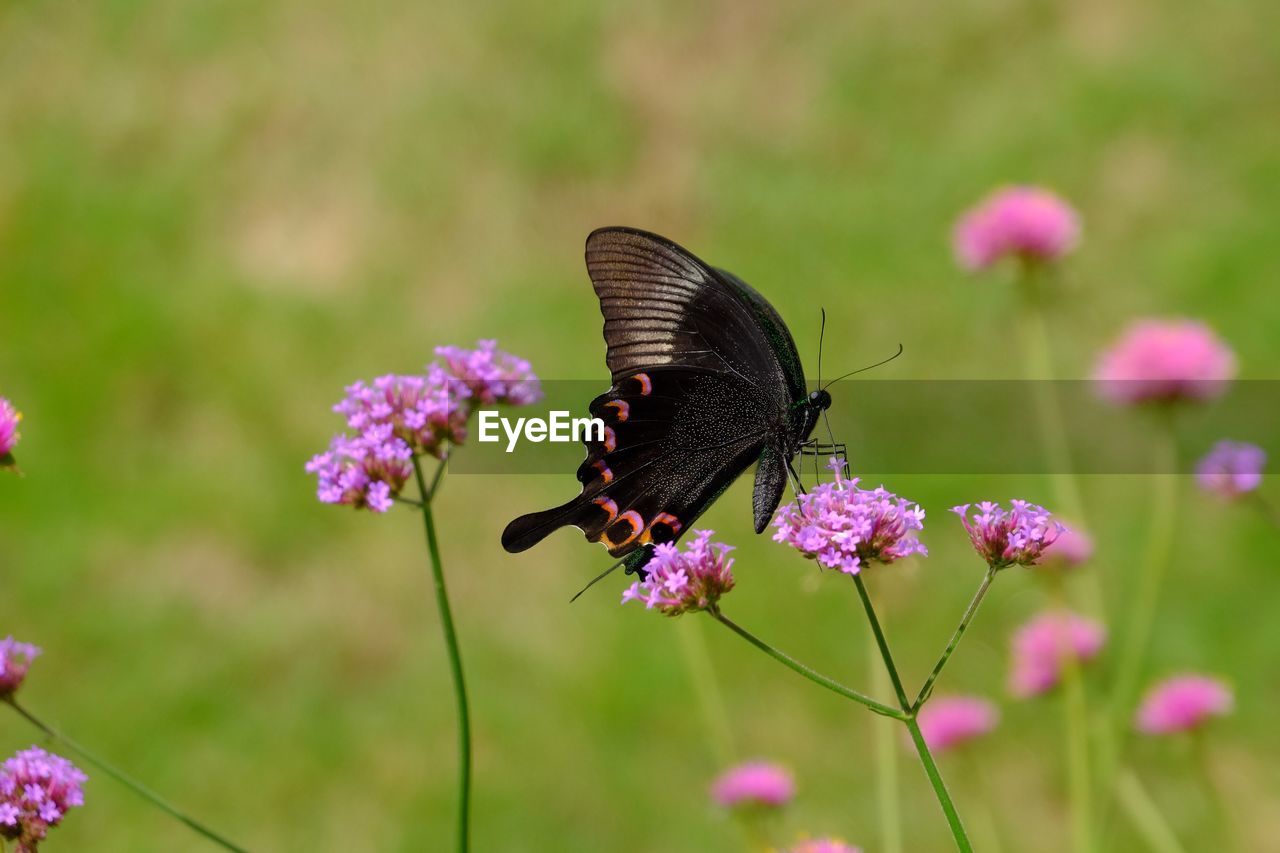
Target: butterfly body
[706, 381]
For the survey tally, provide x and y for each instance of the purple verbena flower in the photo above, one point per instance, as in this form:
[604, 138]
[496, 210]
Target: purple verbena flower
[15, 660]
[1043, 646]
[823, 845]
[681, 582]
[844, 527]
[754, 785]
[1165, 361]
[1025, 222]
[1183, 703]
[428, 413]
[1231, 469]
[948, 721]
[491, 375]
[37, 789]
[366, 471]
[1014, 537]
[9, 435]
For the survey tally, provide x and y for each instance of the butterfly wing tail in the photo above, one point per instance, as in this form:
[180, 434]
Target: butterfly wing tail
[528, 530]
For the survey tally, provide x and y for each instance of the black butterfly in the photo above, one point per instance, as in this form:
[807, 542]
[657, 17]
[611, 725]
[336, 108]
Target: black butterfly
[706, 380]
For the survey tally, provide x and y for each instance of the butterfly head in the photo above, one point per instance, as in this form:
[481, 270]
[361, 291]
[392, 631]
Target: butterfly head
[820, 400]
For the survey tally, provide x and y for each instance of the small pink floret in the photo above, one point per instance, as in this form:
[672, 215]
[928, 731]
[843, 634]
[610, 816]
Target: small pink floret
[1183, 703]
[1165, 361]
[9, 419]
[684, 581]
[1023, 221]
[15, 660]
[756, 784]
[1070, 549]
[823, 845]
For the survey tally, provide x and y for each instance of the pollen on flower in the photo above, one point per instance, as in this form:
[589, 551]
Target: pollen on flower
[15, 660]
[948, 721]
[1165, 361]
[1015, 537]
[37, 789]
[1026, 222]
[491, 375]
[684, 581]
[1231, 469]
[1183, 703]
[1043, 647]
[844, 527]
[754, 785]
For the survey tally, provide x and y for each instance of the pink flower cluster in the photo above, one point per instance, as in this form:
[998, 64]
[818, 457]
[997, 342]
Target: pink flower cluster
[682, 582]
[1025, 222]
[1014, 537]
[948, 721]
[1231, 469]
[844, 527]
[1043, 647]
[9, 435]
[398, 417]
[15, 660]
[1165, 361]
[1069, 549]
[754, 785]
[37, 789]
[1183, 703]
[823, 845]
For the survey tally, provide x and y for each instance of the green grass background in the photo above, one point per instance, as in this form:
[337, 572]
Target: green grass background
[215, 214]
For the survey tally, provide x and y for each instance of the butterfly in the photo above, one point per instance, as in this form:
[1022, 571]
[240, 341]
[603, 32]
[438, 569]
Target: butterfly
[706, 381]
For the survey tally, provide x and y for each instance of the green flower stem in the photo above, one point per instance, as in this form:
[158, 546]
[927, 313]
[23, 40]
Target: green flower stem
[796, 666]
[909, 714]
[124, 779]
[1145, 815]
[455, 655]
[972, 610]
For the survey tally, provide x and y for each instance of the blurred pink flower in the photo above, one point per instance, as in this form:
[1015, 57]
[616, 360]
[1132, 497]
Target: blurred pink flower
[1231, 469]
[37, 789]
[491, 375]
[1070, 549]
[844, 527]
[9, 435]
[1183, 703]
[948, 721]
[1014, 537]
[678, 582]
[823, 845]
[1022, 221]
[1165, 361]
[755, 784]
[15, 660]
[1043, 646]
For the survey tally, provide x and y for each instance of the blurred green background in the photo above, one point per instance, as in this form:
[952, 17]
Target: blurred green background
[215, 214]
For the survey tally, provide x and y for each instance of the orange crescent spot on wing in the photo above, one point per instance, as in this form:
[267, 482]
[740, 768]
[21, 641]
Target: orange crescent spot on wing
[622, 407]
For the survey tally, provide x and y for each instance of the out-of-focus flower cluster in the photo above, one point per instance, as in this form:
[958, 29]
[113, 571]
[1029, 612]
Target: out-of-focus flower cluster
[37, 789]
[684, 581]
[844, 527]
[1069, 549]
[948, 721]
[823, 845]
[1014, 537]
[1165, 361]
[1046, 644]
[754, 785]
[397, 417]
[1183, 703]
[1231, 469]
[9, 435]
[15, 660]
[1030, 223]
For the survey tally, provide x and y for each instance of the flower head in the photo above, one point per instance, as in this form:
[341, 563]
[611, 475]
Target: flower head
[9, 435]
[1014, 537]
[37, 789]
[1026, 222]
[1231, 469]
[1069, 549]
[844, 527]
[491, 375]
[754, 785]
[1043, 646]
[823, 845]
[15, 660]
[949, 721]
[1165, 361]
[1183, 703]
[365, 472]
[424, 412]
[681, 582]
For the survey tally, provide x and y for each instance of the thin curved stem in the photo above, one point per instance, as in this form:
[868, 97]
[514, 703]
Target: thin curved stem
[124, 779]
[969, 613]
[883, 644]
[814, 676]
[939, 787]
[1145, 815]
[455, 655]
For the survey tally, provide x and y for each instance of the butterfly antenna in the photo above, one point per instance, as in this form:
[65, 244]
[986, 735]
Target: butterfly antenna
[597, 579]
[868, 367]
[822, 331]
